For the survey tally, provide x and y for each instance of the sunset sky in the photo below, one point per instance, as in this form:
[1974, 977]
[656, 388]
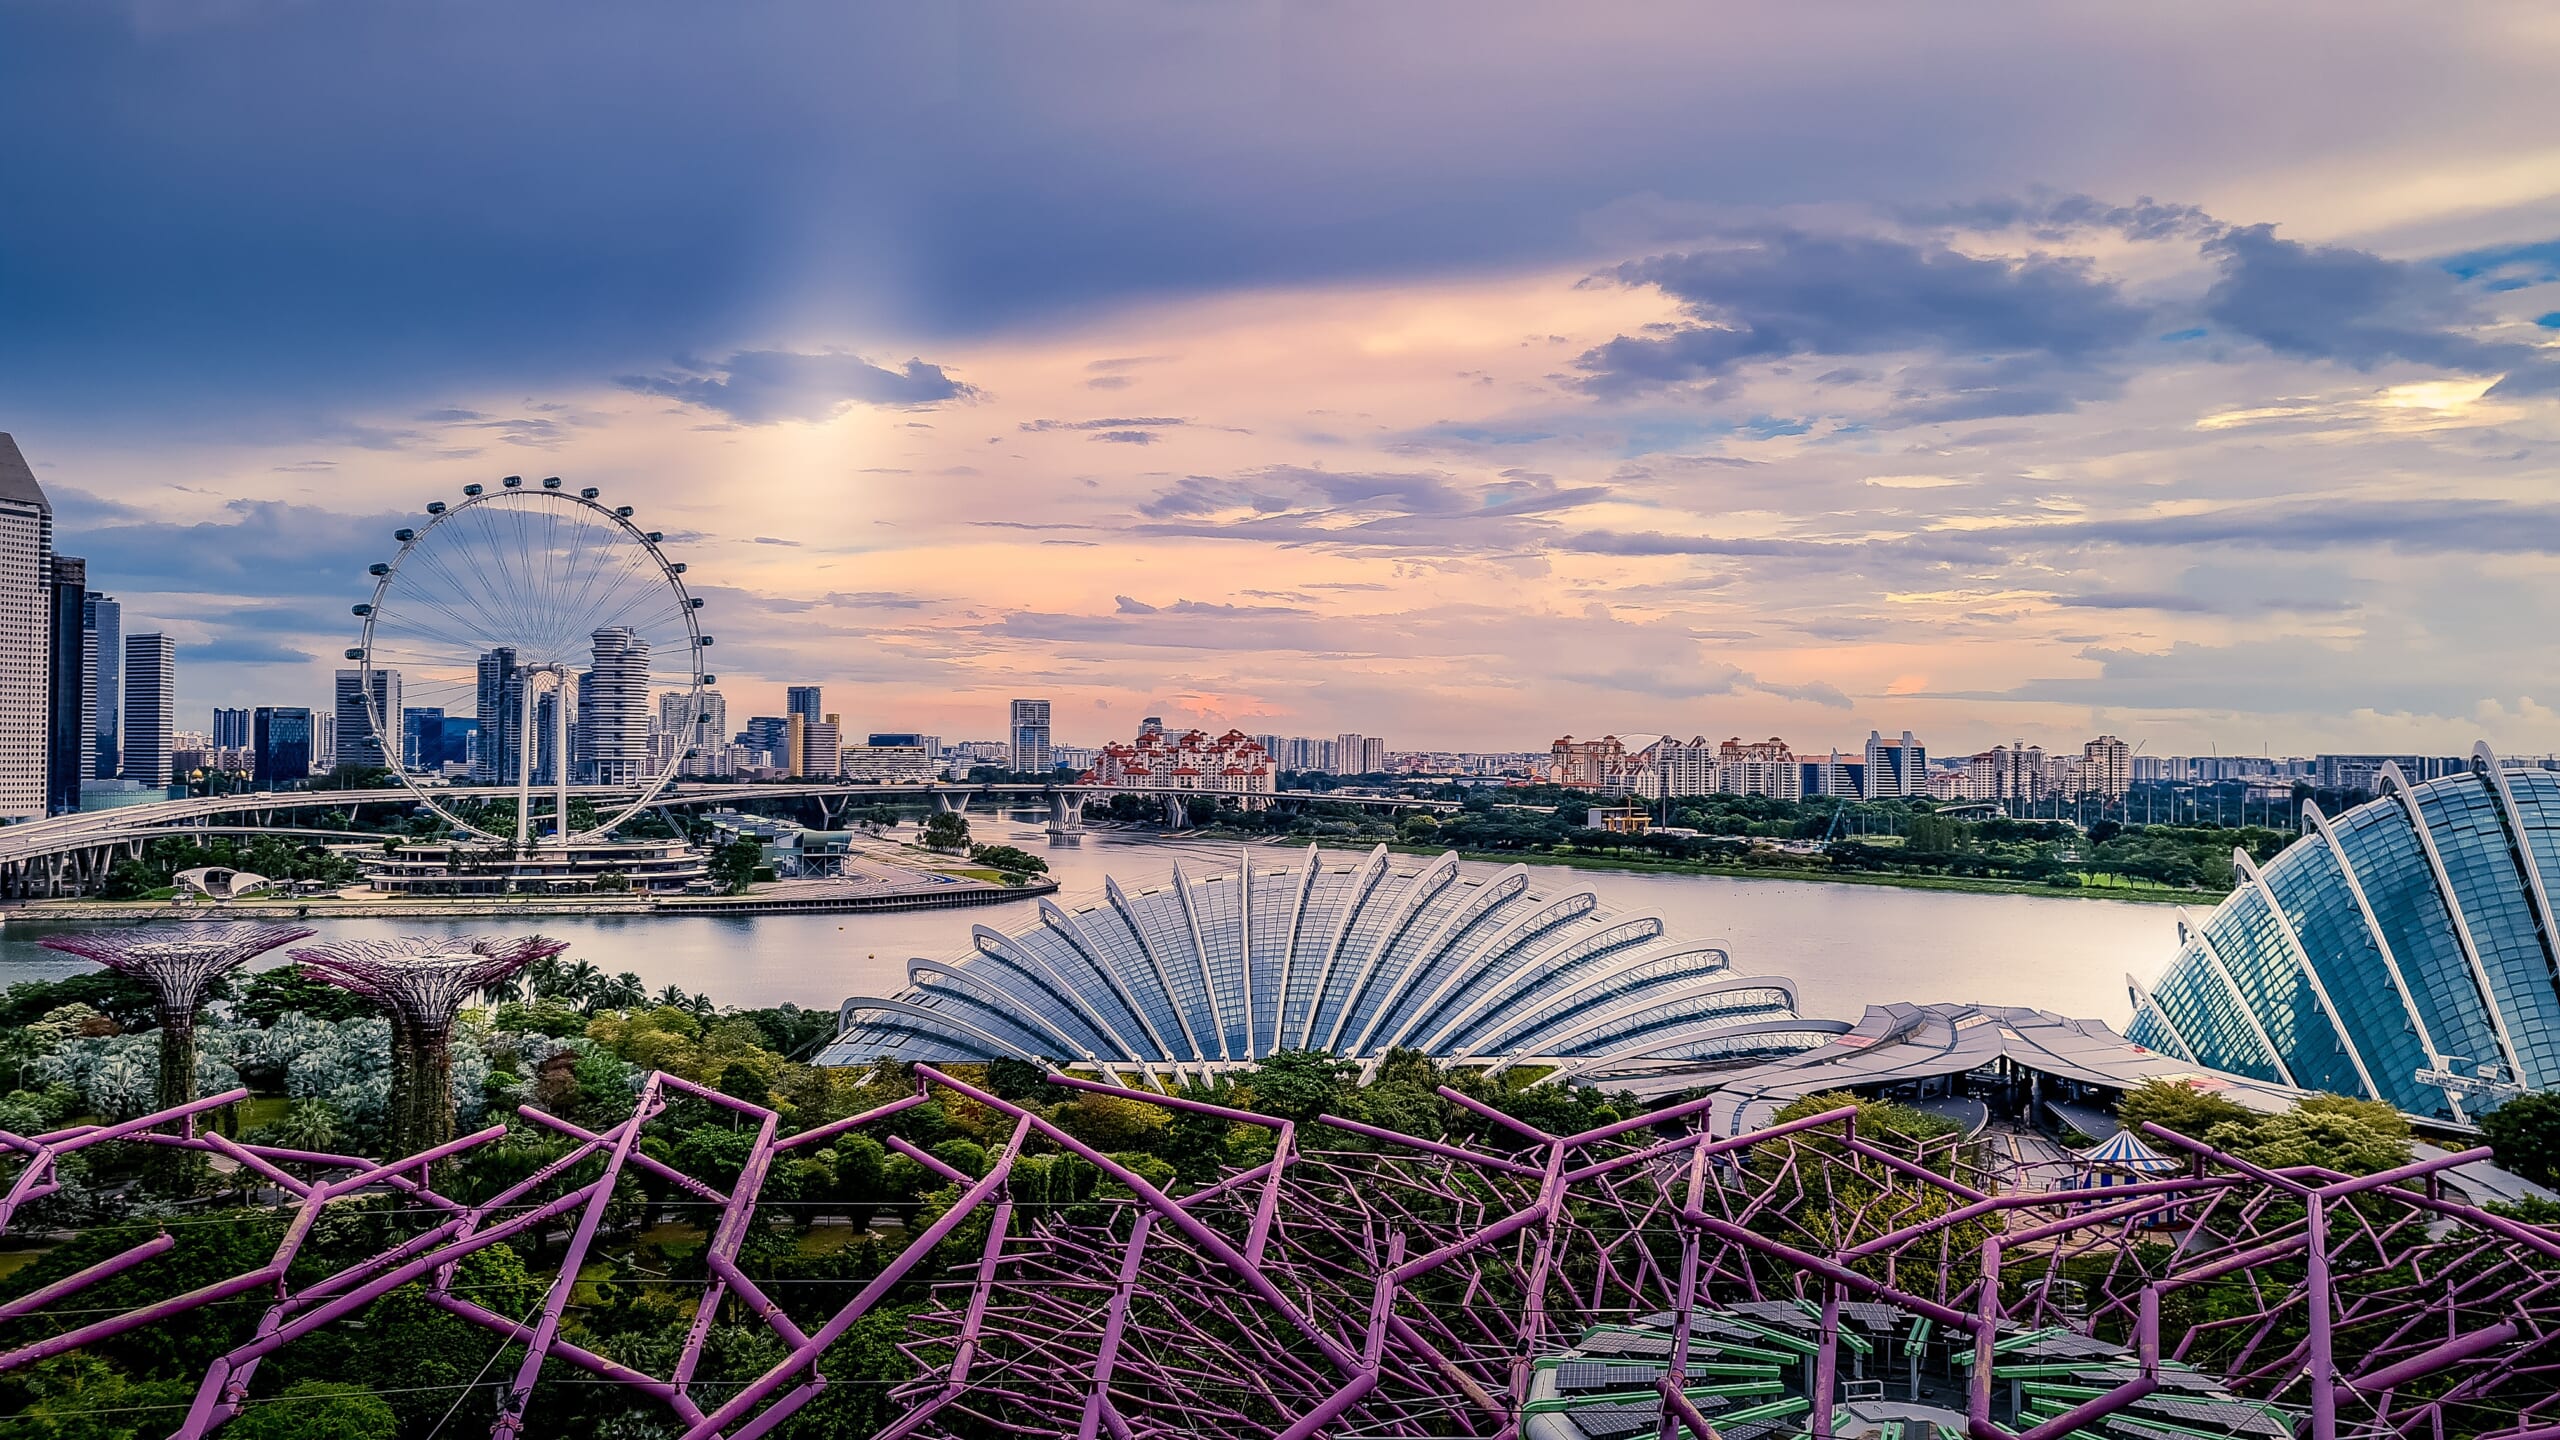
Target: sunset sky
[1466, 374]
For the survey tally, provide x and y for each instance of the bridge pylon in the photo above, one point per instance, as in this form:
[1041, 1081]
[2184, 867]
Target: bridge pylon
[1066, 818]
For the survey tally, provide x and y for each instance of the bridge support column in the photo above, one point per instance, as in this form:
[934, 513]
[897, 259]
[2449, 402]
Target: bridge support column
[945, 804]
[1066, 817]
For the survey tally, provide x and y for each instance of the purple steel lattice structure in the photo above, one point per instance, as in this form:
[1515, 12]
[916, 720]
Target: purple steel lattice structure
[1410, 1286]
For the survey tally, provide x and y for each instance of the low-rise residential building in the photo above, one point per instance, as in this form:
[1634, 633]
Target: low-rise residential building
[1232, 763]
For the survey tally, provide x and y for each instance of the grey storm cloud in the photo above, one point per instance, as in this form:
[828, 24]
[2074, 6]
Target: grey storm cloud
[2423, 527]
[256, 548]
[1778, 292]
[2354, 308]
[761, 387]
[2054, 215]
[1141, 422]
[1287, 488]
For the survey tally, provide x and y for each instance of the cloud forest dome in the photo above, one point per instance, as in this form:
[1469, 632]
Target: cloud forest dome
[2404, 951]
[1465, 963]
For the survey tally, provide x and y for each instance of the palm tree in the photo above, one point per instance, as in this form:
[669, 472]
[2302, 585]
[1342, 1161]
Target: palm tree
[573, 982]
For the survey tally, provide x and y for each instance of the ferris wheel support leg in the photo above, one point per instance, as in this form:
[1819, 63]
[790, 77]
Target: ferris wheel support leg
[524, 768]
[560, 762]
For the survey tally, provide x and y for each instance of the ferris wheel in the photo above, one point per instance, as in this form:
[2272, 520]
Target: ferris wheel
[528, 644]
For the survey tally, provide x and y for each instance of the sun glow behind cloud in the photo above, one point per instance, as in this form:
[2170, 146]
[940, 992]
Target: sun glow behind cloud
[1533, 389]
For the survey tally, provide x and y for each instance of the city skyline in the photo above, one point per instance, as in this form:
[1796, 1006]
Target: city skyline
[1657, 400]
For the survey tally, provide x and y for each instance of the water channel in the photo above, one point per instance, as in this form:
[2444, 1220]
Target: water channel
[1845, 945]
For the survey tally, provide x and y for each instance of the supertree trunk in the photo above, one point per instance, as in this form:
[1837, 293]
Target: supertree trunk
[430, 1113]
[177, 1059]
[421, 984]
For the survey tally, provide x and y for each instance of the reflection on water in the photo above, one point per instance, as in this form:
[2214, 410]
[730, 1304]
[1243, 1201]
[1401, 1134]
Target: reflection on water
[1846, 945]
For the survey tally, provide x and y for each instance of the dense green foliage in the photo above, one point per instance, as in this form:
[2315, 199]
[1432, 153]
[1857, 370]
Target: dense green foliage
[1009, 859]
[734, 865]
[1758, 832]
[946, 830]
[2526, 1134]
[2355, 1137]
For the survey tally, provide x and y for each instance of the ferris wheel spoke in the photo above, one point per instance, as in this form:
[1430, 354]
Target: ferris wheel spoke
[464, 611]
[539, 572]
[591, 604]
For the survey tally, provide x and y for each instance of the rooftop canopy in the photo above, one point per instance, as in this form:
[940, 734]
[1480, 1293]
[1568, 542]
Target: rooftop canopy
[2044, 1055]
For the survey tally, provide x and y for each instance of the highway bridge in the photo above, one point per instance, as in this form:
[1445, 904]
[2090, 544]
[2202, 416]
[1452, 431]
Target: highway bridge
[71, 854]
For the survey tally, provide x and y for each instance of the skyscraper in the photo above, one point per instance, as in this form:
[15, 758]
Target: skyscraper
[324, 741]
[1373, 754]
[150, 706]
[803, 701]
[493, 750]
[821, 749]
[358, 743]
[1031, 736]
[26, 566]
[280, 746]
[546, 728]
[421, 737]
[695, 725]
[66, 683]
[770, 737]
[613, 709]
[102, 652]
[1894, 770]
[230, 728]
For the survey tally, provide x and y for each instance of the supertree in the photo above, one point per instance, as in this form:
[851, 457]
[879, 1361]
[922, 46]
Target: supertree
[178, 963]
[420, 981]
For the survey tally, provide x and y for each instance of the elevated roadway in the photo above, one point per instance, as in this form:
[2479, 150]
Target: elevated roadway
[69, 854]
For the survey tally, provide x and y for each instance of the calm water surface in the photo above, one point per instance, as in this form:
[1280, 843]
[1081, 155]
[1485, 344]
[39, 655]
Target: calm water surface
[1845, 945]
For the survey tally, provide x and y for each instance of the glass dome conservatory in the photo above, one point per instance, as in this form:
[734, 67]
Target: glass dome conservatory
[1469, 964]
[2404, 951]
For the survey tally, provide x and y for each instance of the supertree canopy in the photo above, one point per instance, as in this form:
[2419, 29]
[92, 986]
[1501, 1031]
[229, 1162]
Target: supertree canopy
[179, 963]
[421, 982]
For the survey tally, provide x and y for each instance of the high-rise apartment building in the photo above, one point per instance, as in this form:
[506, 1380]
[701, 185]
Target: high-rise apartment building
[1030, 736]
[102, 706]
[1349, 750]
[279, 746]
[499, 702]
[2015, 771]
[66, 685]
[805, 702]
[2106, 767]
[26, 579]
[1763, 767]
[358, 742]
[1373, 754]
[324, 741]
[613, 709]
[230, 728]
[1896, 769]
[150, 707]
